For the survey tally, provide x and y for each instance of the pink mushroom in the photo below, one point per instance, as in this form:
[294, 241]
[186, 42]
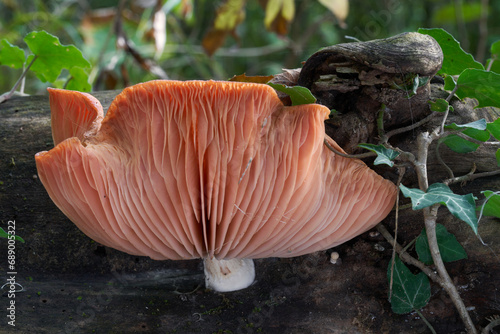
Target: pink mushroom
[202, 169]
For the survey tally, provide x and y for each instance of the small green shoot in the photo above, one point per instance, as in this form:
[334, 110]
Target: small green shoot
[6, 235]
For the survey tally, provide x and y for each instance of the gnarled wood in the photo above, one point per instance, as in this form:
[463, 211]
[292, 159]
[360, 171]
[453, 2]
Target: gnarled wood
[356, 79]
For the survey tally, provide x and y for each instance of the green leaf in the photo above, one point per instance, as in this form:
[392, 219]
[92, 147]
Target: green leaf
[449, 247]
[497, 155]
[79, 80]
[449, 83]
[6, 235]
[409, 292]
[440, 105]
[495, 49]
[476, 130]
[455, 58]
[51, 56]
[11, 55]
[495, 67]
[384, 155]
[492, 206]
[482, 85]
[298, 94]
[461, 206]
[481, 135]
[459, 144]
[479, 125]
[494, 128]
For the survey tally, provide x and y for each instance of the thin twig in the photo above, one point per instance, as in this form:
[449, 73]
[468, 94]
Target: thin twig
[410, 127]
[490, 63]
[430, 216]
[470, 177]
[404, 256]
[448, 99]
[402, 171]
[426, 322]
[7, 96]
[441, 161]
[353, 156]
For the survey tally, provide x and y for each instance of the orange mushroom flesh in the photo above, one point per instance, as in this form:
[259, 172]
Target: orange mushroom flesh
[204, 169]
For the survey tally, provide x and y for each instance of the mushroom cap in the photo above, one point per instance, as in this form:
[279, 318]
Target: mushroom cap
[180, 170]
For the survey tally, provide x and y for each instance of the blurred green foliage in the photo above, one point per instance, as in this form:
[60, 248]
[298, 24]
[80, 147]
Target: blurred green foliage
[89, 25]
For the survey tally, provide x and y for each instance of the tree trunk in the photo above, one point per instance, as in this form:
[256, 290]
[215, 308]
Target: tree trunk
[73, 284]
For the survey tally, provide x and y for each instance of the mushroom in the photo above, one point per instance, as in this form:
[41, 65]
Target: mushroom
[203, 169]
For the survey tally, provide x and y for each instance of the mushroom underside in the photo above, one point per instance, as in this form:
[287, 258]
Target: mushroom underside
[213, 170]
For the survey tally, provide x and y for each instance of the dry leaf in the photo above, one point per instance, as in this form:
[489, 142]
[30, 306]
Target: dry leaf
[255, 79]
[228, 16]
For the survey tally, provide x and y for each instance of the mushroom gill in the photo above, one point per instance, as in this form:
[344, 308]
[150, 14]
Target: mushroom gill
[206, 169]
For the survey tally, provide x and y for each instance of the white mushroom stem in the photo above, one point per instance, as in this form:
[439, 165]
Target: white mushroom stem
[228, 275]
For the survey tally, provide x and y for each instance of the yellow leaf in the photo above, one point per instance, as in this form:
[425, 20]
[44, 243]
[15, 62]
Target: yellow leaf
[288, 10]
[229, 15]
[279, 13]
[339, 8]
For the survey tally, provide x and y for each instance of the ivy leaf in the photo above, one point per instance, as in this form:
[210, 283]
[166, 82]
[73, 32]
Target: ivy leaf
[482, 85]
[440, 105]
[409, 292]
[449, 83]
[476, 130]
[255, 78]
[298, 94]
[492, 206]
[455, 58]
[449, 247]
[6, 235]
[479, 125]
[79, 80]
[384, 155]
[459, 144]
[52, 57]
[461, 206]
[497, 156]
[11, 55]
[494, 128]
